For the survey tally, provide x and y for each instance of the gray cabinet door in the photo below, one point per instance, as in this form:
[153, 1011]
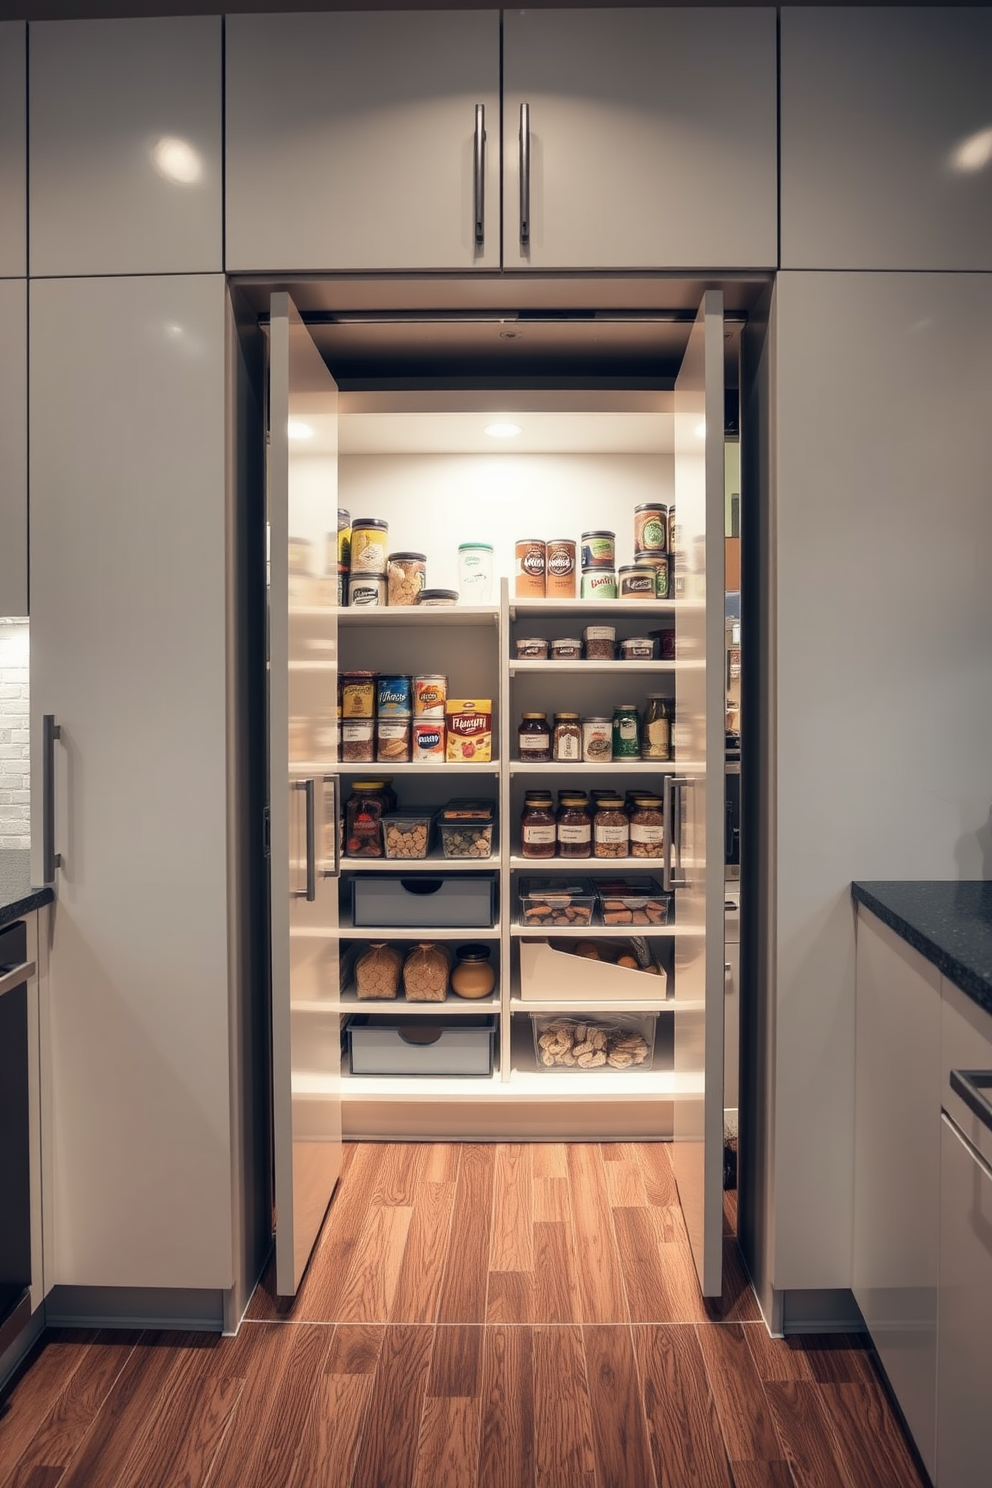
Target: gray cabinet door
[125, 146]
[14, 448]
[964, 1337]
[13, 149]
[352, 141]
[652, 138]
[886, 137]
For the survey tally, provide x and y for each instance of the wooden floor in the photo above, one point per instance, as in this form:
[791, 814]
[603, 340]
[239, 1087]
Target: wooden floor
[480, 1316]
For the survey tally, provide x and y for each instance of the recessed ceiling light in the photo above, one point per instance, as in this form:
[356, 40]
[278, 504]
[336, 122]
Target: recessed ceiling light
[503, 430]
[297, 430]
[176, 160]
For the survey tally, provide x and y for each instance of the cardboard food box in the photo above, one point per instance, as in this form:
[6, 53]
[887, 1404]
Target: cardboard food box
[469, 724]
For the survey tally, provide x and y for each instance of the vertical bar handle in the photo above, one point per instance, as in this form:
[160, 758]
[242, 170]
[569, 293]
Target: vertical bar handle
[334, 824]
[50, 732]
[673, 877]
[525, 174]
[480, 174]
[310, 799]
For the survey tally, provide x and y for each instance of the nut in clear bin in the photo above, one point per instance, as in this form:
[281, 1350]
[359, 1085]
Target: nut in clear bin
[581, 1044]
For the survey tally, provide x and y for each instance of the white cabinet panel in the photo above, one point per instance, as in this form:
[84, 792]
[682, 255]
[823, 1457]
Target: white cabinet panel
[964, 1421]
[351, 140]
[128, 561]
[897, 1167]
[13, 148]
[652, 137]
[14, 448]
[125, 164]
[886, 137]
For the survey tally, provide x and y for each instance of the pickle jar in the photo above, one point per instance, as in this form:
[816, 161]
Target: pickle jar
[534, 738]
[538, 829]
[610, 829]
[574, 825]
[647, 827]
[567, 738]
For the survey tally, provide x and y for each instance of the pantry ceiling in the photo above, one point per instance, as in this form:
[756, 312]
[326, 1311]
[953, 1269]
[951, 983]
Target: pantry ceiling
[461, 433]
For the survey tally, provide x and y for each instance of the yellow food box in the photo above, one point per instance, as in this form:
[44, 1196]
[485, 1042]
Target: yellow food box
[469, 724]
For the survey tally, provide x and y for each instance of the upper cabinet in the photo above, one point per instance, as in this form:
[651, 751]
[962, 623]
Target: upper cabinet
[125, 160]
[639, 139]
[886, 138]
[14, 448]
[363, 142]
[13, 149]
[367, 142]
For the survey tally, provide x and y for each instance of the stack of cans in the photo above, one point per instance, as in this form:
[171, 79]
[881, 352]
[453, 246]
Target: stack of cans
[393, 709]
[430, 693]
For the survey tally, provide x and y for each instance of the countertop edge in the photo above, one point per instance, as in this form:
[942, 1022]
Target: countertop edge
[17, 908]
[974, 985]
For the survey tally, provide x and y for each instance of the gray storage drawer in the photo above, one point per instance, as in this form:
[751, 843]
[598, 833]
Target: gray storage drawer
[414, 1045]
[422, 901]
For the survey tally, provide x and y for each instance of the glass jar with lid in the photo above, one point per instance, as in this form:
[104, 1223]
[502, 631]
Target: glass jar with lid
[364, 810]
[473, 975]
[656, 732]
[647, 827]
[574, 825]
[538, 829]
[534, 738]
[610, 829]
[567, 738]
[626, 740]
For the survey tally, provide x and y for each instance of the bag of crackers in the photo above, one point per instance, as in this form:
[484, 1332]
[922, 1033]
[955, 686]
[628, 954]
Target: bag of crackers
[469, 725]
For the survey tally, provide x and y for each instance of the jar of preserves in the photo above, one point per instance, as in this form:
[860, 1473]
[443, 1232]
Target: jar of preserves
[473, 976]
[626, 735]
[610, 829]
[574, 826]
[538, 829]
[364, 810]
[647, 827]
[534, 738]
[567, 738]
[656, 734]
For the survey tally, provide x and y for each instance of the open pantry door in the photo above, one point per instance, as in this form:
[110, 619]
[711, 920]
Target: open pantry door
[696, 795]
[302, 689]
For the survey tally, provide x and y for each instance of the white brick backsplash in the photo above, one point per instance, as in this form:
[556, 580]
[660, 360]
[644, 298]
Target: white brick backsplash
[15, 772]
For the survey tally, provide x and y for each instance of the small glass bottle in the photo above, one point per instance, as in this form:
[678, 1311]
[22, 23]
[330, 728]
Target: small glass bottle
[656, 732]
[626, 743]
[610, 829]
[567, 739]
[534, 738]
[538, 831]
[574, 826]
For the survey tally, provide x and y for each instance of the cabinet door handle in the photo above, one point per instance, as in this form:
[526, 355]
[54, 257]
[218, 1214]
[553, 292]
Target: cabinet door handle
[310, 796]
[480, 174]
[332, 817]
[50, 732]
[969, 1085]
[672, 875]
[525, 173]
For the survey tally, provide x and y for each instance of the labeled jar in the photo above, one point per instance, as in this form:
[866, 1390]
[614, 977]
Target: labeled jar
[567, 648]
[538, 829]
[475, 572]
[472, 975]
[358, 694]
[597, 740]
[534, 738]
[560, 569]
[358, 740]
[430, 693]
[531, 556]
[647, 827]
[574, 826]
[651, 527]
[659, 566]
[566, 741]
[406, 576]
[637, 648]
[637, 581]
[366, 589]
[437, 598]
[599, 583]
[610, 829]
[369, 539]
[656, 733]
[598, 550]
[532, 648]
[392, 740]
[363, 812]
[600, 642]
[626, 740]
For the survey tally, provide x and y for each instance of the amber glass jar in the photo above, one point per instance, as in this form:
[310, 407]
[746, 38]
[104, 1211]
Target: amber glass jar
[538, 830]
[534, 738]
[567, 738]
[647, 827]
[610, 829]
[473, 975]
[574, 826]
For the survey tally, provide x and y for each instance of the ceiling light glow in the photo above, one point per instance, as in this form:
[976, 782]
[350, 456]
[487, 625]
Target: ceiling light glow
[503, 430]
[176, 160]
[972, 154]
[298, 430]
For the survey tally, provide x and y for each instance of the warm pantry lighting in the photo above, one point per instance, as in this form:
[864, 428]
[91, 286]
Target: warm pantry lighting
[298, 430]
[501, 430]
[700, 430]
[973, 153]
[176, 160]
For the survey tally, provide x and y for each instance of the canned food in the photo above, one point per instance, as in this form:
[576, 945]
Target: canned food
[369, 538]
[427, 740]
[430, 692]
[392, 740]
[393, 696]
[532, 648]
[651, 528]
[637, 581]
[531, 568]
[366, 589]
[599, 583]
[659, 566]
[357, 694]
[597, 740]
[357, 740]
[560, 569]
[598, 549]
[406, 575]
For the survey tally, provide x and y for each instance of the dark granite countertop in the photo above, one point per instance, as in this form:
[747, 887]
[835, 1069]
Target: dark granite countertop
[949, 923]
[17, 897]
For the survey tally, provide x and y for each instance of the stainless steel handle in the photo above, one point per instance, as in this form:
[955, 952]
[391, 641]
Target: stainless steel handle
[50, 732]
[969, 1085]
[332, 818]
[525, 173]
[480, 174]
[16, 976]
[672, 876]
[310, 796]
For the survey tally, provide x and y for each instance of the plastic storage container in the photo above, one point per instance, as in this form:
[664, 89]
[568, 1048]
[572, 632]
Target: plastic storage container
[556, 902]
[466, 829]
[631, 901]
[425, 1045]
[580, 1045]
[407, 834]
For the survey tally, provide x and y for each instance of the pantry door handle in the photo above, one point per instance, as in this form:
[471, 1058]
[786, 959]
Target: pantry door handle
[310, 792]
[673, 876]
[332, 818]
[970, 1085]
[525, 174]
[50, 732]
[480, 174]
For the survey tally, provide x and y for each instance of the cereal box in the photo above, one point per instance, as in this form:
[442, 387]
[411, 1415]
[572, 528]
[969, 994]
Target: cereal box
[470, 729]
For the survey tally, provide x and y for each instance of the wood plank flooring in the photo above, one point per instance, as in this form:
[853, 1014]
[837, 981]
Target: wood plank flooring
[474, 1316]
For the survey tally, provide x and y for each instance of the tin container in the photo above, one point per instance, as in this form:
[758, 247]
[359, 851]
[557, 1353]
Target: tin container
[637, 581]
[392, 740]
[599, 550]
[437, 598]
[599, 583]
[600, 642]
[369, 540]
[532, 648]
[651, 528]
[531, 558]
[597, 740]
[568, 648]
[560, 575]
[366, 590]
[342, 585]
[394, 696]
[637, 648]
[357, 740]
[357, 694]
[430, 692]
[427, 740]
[659, 566]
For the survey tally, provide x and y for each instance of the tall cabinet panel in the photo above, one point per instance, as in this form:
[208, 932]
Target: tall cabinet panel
[14, 448]
[125, 157]
[886, 137]
[639, 138]
[13, 148]
[128, 652]
[354, 146]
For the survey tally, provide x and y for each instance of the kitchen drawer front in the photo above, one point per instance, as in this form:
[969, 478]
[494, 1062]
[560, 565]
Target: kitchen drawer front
[424, 902]
[420, 1046]
[965, 1044]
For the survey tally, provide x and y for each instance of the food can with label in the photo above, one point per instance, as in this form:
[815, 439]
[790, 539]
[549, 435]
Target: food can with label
[430, 692]
[393, 696]
[598, 549]
[357, 694]
[369, 540]
[597, 740]
[637, 581]
[651, 528]
[392, 740]
[357, 740]
[560, 575]
[427, 740]
[658, 564]
[531, 555]
[671, 528]
[366, 590]
[599, 583]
